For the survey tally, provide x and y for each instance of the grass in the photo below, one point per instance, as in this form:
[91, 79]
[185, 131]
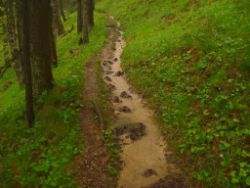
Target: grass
[191, 60]
[105, 105]
[41, 156]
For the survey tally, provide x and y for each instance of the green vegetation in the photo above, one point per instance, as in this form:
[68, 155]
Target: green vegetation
[41, 156]
[191, 59]
[110, 141]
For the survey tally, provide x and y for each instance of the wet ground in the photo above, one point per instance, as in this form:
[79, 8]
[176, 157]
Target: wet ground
[143, 150]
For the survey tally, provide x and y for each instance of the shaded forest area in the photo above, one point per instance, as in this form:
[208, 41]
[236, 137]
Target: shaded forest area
[189, 58]
[48, 53]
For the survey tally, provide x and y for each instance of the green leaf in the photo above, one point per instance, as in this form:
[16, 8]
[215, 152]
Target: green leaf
[248, 180]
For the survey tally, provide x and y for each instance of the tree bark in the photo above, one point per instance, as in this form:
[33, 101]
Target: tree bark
[53, 48]
[40, 45]
[57, 22]
[85, 30]
[91, 7]
[53, 34]
[62, 10]
[79, 16]
[12, 40]
[25, 58]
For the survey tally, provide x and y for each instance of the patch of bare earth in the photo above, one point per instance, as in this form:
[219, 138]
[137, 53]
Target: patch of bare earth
[92, 164]
[146, 159]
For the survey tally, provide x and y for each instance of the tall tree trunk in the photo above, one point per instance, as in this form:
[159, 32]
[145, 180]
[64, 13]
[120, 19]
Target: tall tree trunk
[40, 42]
[91, 7]
[53, 33]
[53, 48]
[62, 10]
[6, 51]
[57, 22]
[79, 16]
[25, 58]
[85, 30]
[12, 40]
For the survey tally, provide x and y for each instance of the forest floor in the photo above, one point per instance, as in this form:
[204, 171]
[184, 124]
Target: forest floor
[188, 59]
[145, 159]
[42, 156]
[95, 158]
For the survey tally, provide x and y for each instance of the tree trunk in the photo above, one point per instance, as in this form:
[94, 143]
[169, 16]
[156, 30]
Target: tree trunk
[57, 22]
[25, 58]
[62, 10]
[12, 40]
[40, 42]
[91, 7]
[53, 34]
[85, 31]
[53, 48]
[79, 16]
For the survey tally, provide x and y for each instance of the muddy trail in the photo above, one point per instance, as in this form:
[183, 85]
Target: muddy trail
[146, 161]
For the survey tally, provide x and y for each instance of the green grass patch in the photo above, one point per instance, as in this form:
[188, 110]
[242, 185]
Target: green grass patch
[191, 59]
[41, 156]
[105, 106]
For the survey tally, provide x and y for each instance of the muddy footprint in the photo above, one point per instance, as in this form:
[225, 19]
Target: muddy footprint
[104, 63]
[125, 95]
[109, 72]
[111, 87]
[134, 130]
[108, 78]
[116, 99]
[125, 109]
[107, 63]
[119, 73]
[149, 172]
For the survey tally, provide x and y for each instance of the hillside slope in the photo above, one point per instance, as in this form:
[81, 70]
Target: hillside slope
[43, 156]
[191, 59]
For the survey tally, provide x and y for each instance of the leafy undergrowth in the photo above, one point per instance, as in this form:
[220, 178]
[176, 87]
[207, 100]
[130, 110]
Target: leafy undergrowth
[41, 156]
[191, 59]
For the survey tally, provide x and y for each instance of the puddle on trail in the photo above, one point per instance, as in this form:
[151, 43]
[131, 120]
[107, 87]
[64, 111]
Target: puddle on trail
[143, 149]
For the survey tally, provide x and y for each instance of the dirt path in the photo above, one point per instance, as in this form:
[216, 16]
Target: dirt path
[93, 163]
[143, 149]
[146, 160]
